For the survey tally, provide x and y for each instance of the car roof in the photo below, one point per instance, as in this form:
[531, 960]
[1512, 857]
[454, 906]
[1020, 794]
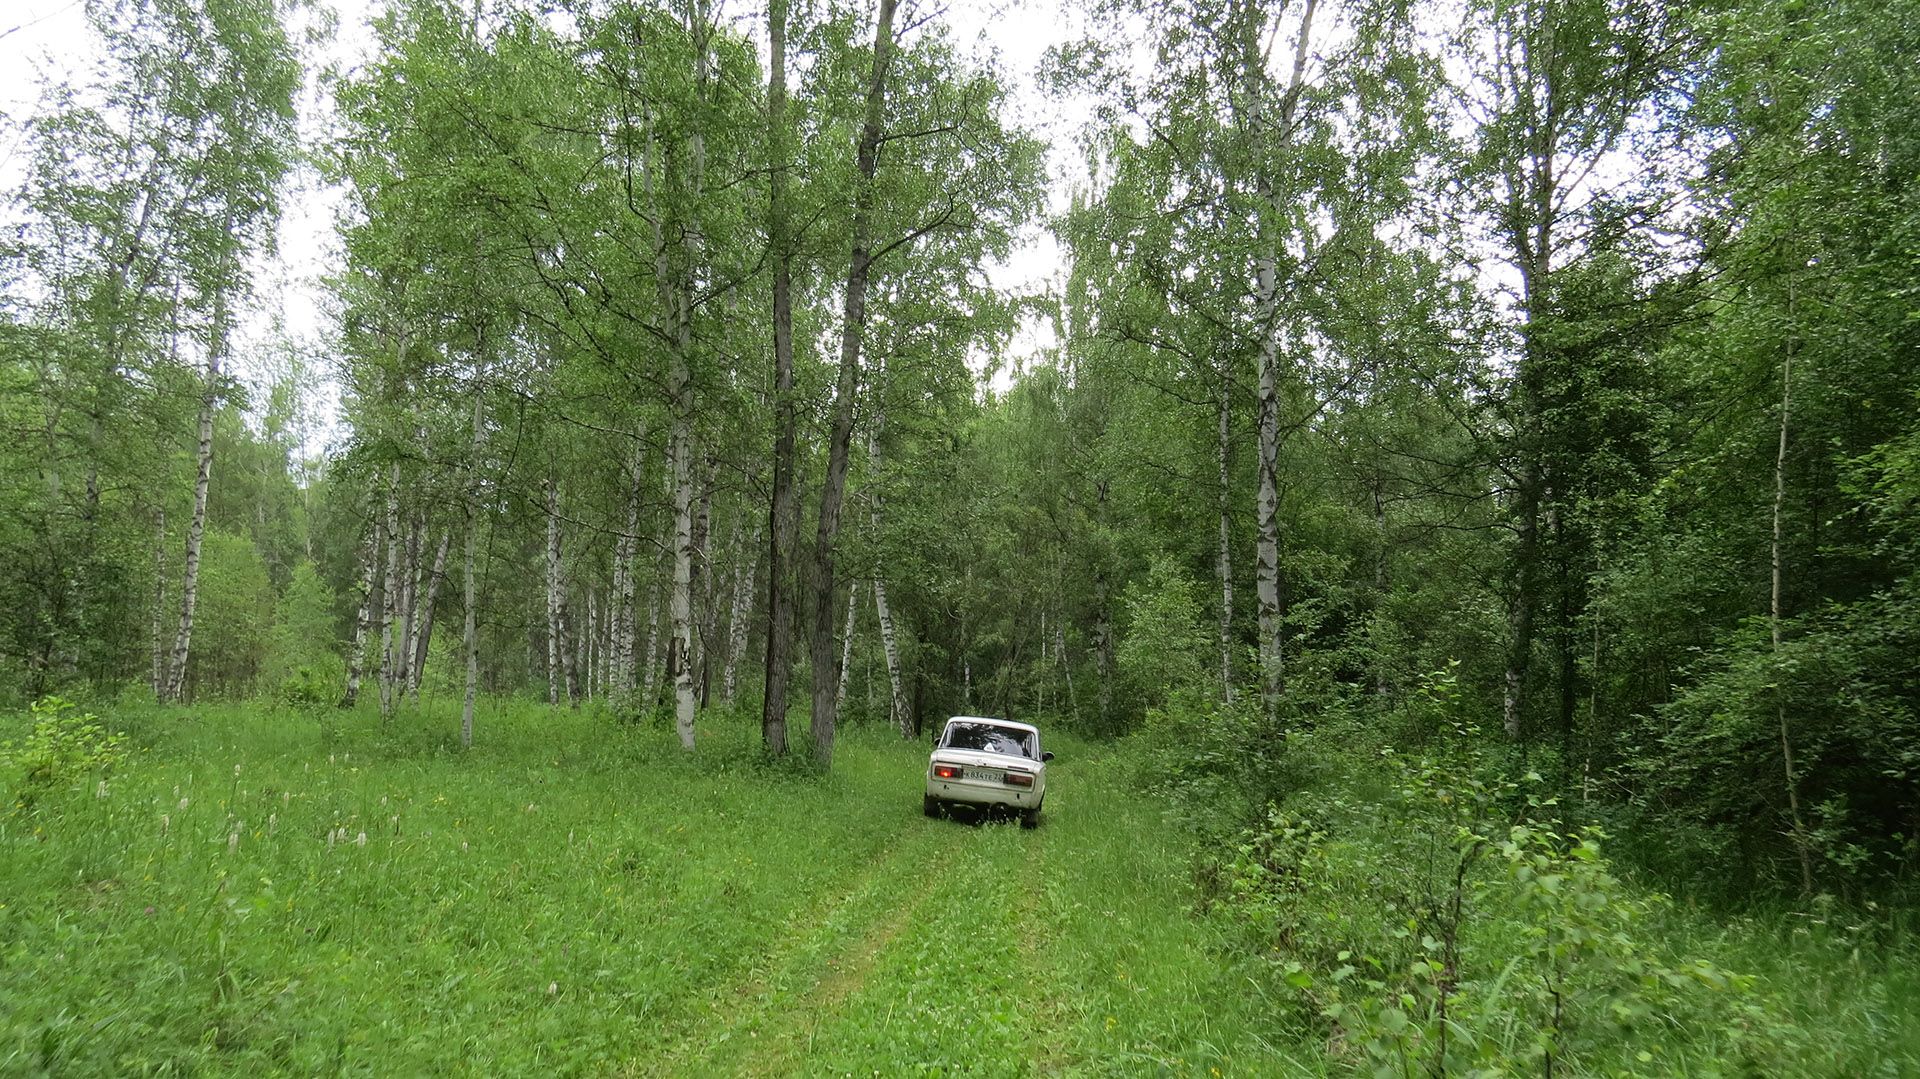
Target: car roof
[995, 722]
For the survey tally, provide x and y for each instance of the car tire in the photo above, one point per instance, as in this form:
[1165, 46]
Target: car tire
[929, 805]
[1030, 818]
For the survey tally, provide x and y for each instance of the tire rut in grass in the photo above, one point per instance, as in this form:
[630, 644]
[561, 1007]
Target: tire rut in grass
[803, 968]
[1054, 1018]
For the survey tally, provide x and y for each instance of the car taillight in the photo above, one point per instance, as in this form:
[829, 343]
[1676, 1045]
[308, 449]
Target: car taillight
[1019, 779]
[946, 771]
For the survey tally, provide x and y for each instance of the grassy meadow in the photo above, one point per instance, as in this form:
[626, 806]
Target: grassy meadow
[263, 891]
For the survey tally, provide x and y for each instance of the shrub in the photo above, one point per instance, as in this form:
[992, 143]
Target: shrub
[1450, 926]
[61, 747]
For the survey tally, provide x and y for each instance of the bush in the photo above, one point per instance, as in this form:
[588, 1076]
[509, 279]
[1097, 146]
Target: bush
[1447, 924]
[61, 748]
[306, 690]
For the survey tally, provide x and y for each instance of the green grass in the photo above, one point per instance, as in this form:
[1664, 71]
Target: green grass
[578, 896]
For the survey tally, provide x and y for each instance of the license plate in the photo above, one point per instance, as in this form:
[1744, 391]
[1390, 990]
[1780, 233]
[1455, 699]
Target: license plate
[981, 773]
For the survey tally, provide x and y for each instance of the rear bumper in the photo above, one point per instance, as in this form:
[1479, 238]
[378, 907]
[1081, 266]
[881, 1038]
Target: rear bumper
[961, 792]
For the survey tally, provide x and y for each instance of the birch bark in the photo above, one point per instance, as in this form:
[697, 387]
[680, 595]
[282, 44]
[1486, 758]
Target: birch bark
[553, 594]
[197, 523]
[159, 627]
[424, 638]
[363, 618]
[853, 327]
[650, 674]
[846, 646]
[409, 602]
[897, 710]
[1266, 143]
[469, 638]
[1800, 843]
[625, 628]
[390, 593]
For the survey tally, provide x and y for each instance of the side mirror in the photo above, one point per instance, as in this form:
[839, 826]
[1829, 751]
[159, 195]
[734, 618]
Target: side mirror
[1045, 757]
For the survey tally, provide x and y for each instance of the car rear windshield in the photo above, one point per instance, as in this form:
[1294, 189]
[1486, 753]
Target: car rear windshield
[989, 739]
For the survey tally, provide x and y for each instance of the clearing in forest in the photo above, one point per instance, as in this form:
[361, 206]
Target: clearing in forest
[261, 892]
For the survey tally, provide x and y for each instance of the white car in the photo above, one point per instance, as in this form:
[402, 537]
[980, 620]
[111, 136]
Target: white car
[988, 764]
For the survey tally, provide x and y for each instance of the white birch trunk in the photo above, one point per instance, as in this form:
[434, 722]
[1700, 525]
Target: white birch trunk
[159, 604]
[1066, 668]
[469, 639]
[679, 648]
[846, 646]
[897, 711]
[363, 618]
[1801, 846]
[197, 523]
[553, 594]
[424, 638]
[591, 645]
[390, 593]
[650, 673]
[410, 601]
[1254, 87]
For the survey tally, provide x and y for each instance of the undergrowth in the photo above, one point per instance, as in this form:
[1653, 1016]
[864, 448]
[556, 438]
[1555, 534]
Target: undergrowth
[1434, 910]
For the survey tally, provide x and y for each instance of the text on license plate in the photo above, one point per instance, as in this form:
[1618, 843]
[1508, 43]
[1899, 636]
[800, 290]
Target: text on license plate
[980, 773]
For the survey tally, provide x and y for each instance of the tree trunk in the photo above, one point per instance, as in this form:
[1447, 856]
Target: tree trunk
[470, 640]
[846, 646]
[650, 676]
[744, 582]
[159, 628]
[589, 651]
[1066, 668]
[783, 516]
[679, 657]
[1382, 579]
[1267, 591]
[390, 593]
[897, 710]
[1224, 563]
[553, 594]
[363, 618]
[410, 600]
[425, 634]
[569, 653]
[706, 588]
[1531, 209]
[1800, 843]
[197, 523]
[853, 326]
[621, 680]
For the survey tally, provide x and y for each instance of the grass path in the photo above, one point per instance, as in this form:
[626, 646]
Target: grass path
[263, 894]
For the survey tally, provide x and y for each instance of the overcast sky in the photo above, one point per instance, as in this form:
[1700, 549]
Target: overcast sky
[48, 41]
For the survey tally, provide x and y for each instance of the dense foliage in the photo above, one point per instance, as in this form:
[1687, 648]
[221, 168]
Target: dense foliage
[1569, 352]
